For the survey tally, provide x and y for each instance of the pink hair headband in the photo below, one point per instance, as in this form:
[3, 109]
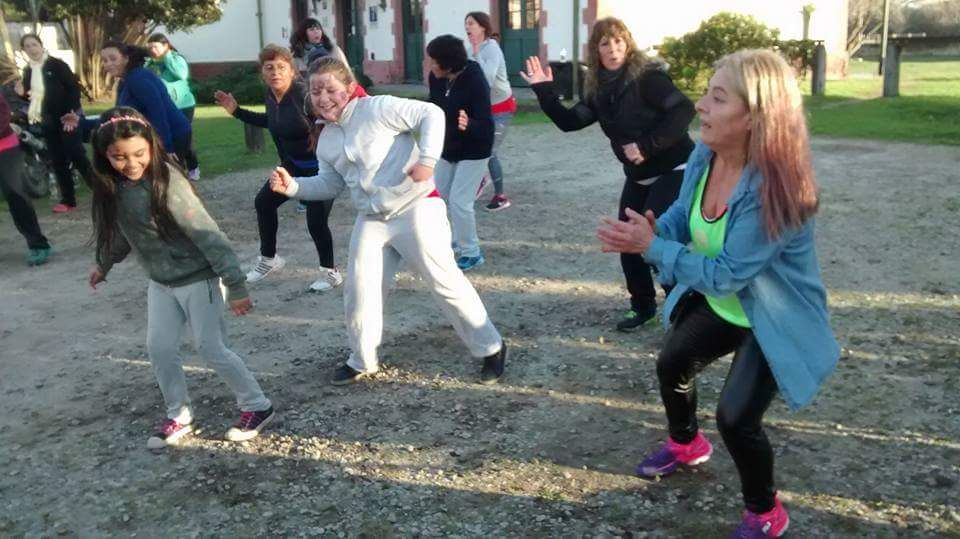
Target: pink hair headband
[116, 119]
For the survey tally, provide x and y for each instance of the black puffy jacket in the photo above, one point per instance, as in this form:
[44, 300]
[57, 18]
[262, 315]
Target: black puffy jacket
[648, 110]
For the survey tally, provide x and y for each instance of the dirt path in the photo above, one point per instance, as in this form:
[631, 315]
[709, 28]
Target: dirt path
[423, 449]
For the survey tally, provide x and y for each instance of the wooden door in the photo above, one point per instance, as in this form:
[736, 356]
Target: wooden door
[521, 35]
[352, 23]
[413, 45]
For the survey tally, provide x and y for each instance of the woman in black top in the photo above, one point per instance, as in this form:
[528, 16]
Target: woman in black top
[459, 87]
[54, 91]
[290, 128]
[646, 119]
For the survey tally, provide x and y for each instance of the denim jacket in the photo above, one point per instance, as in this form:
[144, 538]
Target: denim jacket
[777, 281]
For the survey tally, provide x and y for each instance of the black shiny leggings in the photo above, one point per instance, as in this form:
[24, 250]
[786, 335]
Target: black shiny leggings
[640, 198]
[698, 337]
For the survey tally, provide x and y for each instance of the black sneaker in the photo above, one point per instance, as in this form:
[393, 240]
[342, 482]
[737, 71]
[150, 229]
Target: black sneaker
[493, 366]
[249, 425]
[346, 375]
[634, 319]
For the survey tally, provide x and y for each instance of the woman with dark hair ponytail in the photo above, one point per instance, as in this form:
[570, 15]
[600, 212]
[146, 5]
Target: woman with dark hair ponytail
[172, 68]
[143, 91]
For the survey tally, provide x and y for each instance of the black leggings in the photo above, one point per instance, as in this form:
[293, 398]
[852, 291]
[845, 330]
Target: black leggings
[183, 145]
[66, 148]
[21, 208]
[268, 201]
[640, 198]
[697, 337]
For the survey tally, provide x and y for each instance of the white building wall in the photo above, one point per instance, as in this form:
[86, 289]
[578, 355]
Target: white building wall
[651, 22]
[379, 40]
[446, 17]
[558, 34]
[234, 38]
[327, 17]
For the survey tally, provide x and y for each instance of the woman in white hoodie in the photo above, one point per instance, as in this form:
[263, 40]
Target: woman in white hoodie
[367, 145]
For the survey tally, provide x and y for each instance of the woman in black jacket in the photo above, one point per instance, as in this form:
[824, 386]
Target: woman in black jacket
[646, 119]
[459, 87]
[54, 91]
[290, 128]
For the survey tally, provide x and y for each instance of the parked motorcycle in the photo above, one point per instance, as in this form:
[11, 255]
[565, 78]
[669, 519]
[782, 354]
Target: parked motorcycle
[39, 180]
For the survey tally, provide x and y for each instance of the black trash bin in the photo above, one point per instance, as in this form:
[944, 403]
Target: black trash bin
[563, 79]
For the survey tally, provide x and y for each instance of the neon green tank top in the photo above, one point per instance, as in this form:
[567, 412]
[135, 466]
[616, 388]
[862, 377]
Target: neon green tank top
[707, 239]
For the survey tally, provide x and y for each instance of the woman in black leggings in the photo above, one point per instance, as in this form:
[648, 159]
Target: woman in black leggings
[646, 119]
[11, 186]
[290, 128]
[738, 244]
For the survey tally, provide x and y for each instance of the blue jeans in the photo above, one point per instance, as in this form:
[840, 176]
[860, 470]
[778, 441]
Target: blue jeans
[501, 122]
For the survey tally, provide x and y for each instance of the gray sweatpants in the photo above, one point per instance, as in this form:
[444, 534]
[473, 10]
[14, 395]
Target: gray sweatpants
[458, 183]
[420, 236]
[200, 305]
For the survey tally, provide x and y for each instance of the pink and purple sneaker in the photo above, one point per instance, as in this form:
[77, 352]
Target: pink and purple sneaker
[773, 523]
[168, 433]
[672, 454]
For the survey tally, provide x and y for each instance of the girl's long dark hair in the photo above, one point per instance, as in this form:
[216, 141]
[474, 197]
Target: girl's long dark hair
[298, 41]
[136, 56]
[123, 123]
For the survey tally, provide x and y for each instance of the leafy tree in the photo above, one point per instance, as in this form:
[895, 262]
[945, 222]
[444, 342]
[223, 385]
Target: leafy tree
[692, 56]
[88, 24]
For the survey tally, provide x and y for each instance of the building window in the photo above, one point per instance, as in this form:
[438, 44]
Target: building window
[523, 14]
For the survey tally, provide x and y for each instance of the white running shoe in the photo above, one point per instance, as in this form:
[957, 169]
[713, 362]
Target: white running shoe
[194, 174]
[330, 278]
[264, 266]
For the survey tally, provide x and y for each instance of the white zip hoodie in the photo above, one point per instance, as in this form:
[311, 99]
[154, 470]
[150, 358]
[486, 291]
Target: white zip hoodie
[369, 151]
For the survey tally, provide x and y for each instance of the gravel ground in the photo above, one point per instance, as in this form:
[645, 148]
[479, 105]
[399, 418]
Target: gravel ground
[421, 449]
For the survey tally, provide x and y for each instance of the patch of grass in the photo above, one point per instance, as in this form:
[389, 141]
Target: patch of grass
[923, 119]
[927, 111]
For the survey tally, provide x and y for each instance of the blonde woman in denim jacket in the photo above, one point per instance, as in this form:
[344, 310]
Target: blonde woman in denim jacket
[738, 246]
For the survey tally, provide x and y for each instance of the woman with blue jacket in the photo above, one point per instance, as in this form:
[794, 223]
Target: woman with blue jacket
[738, 246]
[142, 90]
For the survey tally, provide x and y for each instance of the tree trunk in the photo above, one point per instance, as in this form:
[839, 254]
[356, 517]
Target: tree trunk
[5, 35]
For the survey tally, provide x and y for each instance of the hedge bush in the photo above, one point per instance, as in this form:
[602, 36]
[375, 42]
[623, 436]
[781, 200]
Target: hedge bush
[692, 56]
[243, 82]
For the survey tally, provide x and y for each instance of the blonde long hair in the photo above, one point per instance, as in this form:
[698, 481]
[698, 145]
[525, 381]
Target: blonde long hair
[611, 27]
[779, 141]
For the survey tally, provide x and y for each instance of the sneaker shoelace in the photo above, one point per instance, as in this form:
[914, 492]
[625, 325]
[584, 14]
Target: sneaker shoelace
[246, 420]
[169, 427]
[263, 266]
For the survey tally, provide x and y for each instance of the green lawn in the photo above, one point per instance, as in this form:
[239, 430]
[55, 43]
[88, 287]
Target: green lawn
[927, 111]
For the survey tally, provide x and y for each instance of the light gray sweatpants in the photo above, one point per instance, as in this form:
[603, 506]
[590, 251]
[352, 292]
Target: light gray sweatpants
[458, 183]
[421, 237]
[200, 305]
